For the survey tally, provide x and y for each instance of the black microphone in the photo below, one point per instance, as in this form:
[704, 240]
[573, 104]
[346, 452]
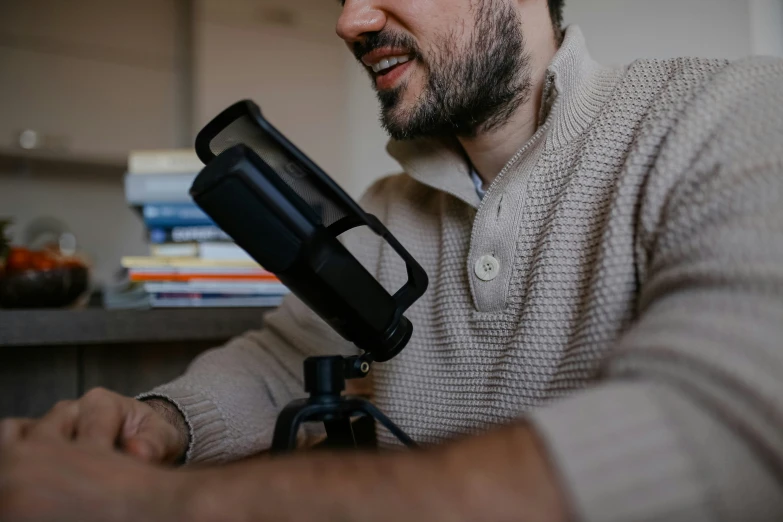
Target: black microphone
[287, 214]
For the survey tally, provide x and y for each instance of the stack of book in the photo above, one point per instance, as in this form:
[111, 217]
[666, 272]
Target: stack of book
[181, 282]
[191, 262]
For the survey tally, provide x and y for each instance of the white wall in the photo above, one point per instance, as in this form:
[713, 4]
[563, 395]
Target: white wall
[619, 31]
[766, 19]
[294, 73]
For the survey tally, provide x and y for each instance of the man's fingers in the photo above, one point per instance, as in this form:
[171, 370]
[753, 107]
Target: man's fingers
[101, 419]
[143, 449]
[152, 439]
[58, 424]
[13, 430]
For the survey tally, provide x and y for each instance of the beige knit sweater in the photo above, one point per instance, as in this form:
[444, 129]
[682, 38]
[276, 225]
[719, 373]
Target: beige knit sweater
[632, 306]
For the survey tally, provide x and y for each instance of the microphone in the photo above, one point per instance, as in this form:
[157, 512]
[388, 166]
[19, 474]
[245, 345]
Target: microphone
[287, 214]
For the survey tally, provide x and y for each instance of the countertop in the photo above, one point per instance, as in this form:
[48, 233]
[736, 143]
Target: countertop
[111, 327]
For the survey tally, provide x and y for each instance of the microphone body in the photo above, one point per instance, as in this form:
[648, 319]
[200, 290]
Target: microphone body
[283, 233]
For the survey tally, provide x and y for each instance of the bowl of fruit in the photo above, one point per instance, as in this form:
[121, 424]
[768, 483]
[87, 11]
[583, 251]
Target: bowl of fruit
[42, 278]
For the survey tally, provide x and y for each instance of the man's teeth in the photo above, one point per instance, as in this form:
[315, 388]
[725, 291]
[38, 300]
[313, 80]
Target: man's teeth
[388, 63]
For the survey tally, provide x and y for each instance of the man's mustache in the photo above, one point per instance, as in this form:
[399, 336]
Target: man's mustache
[373, 41]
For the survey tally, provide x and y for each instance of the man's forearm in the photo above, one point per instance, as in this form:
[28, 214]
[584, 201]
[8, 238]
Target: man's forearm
[496, 477]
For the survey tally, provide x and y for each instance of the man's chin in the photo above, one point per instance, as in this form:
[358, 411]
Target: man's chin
[398, 129]
[399, 114]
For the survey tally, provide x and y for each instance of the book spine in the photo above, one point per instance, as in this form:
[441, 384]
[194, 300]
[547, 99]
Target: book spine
[187, 234]
[233, 289]
[190, 250]
[212, 295]
[169, 188]
[232, 302]
[222, 251]
[174, 215]
[163, 161]
[143, 277]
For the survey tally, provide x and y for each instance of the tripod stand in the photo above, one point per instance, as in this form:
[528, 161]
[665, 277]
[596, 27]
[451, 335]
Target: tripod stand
[324, 380]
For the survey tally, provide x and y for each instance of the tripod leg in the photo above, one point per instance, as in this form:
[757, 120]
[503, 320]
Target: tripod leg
[287, 426]
[364, 433]
[364, 406]
[339, 434]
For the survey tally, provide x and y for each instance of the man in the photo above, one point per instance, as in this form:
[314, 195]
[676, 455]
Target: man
[601, 339]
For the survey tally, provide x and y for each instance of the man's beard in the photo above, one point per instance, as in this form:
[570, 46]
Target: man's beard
[465, 95]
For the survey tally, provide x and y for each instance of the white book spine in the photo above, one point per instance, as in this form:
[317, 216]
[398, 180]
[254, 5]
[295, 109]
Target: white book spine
[163, 161]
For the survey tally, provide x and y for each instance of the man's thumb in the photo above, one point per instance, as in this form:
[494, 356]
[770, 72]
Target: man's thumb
[144, 449]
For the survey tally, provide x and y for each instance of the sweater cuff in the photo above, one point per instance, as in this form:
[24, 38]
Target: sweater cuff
[620, 456]
[207, 433]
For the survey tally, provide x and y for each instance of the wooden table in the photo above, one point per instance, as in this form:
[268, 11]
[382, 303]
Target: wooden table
[49, 355]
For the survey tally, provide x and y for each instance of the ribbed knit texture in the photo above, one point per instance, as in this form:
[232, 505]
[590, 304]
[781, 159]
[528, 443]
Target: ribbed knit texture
[637, 315]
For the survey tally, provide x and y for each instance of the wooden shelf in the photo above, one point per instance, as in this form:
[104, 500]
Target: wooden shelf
[59, 164]
[112, 327]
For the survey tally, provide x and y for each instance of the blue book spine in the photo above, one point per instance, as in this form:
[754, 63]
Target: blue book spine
[170, 215]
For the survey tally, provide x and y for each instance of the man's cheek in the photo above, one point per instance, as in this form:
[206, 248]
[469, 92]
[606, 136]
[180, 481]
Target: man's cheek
[416, 85]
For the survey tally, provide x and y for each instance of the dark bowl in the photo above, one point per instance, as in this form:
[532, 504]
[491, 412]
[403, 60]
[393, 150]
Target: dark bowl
[55, 288]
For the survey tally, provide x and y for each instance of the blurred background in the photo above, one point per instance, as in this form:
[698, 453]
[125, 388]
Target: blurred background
[84, 82]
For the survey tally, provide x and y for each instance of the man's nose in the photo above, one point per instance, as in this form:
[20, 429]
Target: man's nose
[358, 18]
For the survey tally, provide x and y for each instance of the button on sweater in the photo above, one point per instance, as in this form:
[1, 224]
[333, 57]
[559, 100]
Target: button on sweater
[619, 286]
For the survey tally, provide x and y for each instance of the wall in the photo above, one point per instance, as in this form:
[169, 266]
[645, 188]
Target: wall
[619, 31]
[766, 19]
[294, 72]
[94, 78]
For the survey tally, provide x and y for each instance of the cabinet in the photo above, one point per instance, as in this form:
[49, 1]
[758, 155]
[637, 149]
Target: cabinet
[91, 79]
[52, 355]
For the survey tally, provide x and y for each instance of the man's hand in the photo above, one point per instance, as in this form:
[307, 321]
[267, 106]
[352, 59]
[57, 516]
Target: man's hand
[153, 431]
[63, 481]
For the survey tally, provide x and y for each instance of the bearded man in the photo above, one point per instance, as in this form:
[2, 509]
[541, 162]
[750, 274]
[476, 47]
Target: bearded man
[601, 339]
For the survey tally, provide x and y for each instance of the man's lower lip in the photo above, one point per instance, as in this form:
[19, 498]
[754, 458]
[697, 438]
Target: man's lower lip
[388, 80]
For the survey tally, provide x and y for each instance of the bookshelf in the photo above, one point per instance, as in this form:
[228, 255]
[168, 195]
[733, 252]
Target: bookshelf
[111, 327]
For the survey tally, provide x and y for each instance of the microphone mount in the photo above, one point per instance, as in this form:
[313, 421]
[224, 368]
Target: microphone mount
[324, 380]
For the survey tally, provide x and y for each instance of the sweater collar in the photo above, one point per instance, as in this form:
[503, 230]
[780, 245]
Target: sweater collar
[575, 90]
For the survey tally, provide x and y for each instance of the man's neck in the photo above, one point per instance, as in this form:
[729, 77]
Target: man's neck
[490, 151]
